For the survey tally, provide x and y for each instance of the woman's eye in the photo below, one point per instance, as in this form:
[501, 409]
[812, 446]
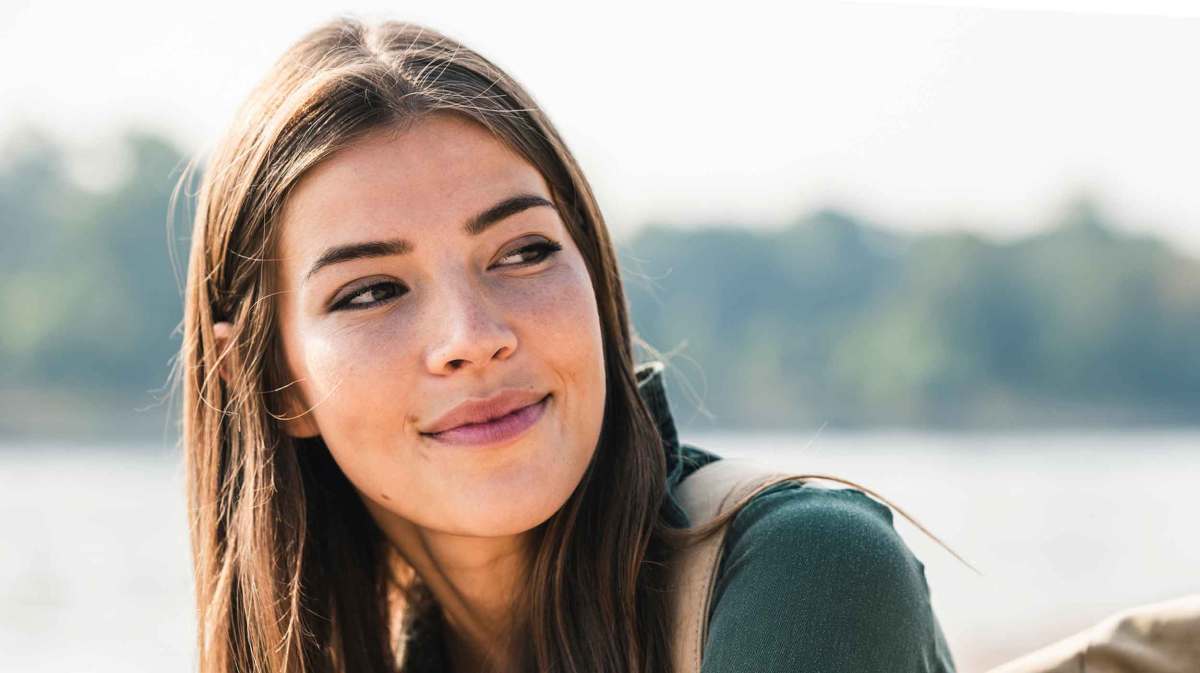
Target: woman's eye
[540, 251]
[382, 292]
[377, 294]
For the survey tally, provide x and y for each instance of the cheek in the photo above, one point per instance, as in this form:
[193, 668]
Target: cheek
[559, 308]
[359, 390]
[564, 333]
[558, 325]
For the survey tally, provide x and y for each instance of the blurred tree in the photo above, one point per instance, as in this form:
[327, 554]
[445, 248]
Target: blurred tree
[837, 321]
[86, 288]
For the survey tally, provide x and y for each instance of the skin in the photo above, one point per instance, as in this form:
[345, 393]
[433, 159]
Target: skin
[467, 318]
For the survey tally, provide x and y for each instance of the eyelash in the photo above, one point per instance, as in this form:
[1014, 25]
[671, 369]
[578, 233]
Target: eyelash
[544, 249]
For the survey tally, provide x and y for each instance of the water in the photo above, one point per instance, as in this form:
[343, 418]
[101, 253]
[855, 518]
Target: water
[95, 568]
[1066, 529]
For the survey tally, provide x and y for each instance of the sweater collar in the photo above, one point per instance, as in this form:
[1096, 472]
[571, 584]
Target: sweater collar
[649, 377]
[650, 386]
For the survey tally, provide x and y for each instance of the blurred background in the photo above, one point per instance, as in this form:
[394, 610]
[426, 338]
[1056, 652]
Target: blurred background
[950, 250]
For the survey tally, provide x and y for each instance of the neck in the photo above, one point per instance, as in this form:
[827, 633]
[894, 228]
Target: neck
[467, 656]
[474, 580]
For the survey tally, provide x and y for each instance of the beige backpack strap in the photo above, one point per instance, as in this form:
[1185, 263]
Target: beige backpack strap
[704, 495]
[1159, 638]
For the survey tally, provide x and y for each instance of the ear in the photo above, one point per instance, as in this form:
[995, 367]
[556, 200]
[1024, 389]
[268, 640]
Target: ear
[298, 423]
[223, 330]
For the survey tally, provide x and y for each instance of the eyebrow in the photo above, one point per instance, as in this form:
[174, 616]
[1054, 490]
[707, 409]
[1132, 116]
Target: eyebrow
[399, 246]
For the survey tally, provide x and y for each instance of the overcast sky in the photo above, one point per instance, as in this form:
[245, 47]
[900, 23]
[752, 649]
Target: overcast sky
[913, 115]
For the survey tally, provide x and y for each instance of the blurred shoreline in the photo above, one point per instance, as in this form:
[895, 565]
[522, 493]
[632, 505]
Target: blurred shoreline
[74, 418]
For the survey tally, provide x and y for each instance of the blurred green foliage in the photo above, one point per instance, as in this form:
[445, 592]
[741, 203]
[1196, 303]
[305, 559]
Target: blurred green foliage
[88, 298]
[835, 321]
[831, 320]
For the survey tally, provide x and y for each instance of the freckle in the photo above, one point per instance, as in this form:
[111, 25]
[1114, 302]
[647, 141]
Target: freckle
[384, 496]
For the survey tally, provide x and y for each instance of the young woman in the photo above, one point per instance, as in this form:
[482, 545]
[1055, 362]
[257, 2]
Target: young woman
[416, 438]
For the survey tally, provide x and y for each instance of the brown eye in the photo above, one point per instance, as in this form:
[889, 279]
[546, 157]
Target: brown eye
[380, 292]
[539, 251]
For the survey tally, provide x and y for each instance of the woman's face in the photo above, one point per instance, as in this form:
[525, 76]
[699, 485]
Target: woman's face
[385, 339]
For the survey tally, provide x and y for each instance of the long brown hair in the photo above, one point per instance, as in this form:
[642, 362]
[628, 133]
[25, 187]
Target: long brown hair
[291, 573]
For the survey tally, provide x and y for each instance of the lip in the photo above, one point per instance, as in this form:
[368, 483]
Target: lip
[501, 429]
[484, 409]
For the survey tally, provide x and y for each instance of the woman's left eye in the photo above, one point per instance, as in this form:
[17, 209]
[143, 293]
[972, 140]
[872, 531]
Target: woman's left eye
[540, 250]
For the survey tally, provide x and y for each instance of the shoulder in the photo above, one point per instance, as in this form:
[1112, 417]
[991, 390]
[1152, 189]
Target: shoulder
[818, 577]
[823, 527]
[840, 542]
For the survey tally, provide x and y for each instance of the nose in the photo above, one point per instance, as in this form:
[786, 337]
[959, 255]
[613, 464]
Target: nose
[471, 331]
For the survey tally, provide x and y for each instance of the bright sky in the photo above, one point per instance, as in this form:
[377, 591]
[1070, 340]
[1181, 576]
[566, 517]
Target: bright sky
[982, 115]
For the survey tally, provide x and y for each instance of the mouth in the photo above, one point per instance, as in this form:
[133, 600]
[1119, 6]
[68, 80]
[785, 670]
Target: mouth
[497, 430]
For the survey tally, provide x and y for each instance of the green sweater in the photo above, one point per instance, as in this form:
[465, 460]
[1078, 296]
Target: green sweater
[817, 580]
[811, 579]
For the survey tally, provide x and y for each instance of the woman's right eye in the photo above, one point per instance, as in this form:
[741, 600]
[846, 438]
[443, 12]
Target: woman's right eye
[359, 299]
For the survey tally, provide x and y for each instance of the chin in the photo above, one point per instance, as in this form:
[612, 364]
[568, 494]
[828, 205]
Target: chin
[509, 506]
[523, 494]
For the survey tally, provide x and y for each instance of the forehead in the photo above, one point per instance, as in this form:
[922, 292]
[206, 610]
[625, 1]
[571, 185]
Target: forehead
[430, 176]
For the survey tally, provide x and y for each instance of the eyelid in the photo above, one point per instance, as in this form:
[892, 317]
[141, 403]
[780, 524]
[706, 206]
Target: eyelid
[336, 304]
[540, 241]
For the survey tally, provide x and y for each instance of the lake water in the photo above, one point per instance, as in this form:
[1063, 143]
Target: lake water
[1066, 528]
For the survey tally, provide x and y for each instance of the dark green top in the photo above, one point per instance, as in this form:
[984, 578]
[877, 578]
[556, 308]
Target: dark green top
[811, 579]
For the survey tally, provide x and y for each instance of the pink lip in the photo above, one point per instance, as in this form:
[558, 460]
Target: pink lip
[497, 430]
